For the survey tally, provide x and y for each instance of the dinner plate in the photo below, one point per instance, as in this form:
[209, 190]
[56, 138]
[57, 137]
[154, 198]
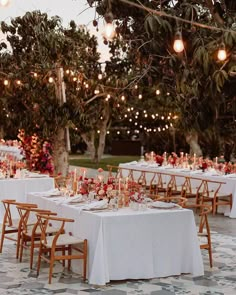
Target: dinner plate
[164, 205]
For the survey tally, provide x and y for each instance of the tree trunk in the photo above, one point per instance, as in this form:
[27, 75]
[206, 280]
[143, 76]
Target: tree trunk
[95, 149]
[103, 132]
[60, 154]
[192, 140]
[61, 138]
[89, 139]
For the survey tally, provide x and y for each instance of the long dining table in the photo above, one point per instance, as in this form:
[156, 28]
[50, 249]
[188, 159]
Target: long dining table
[18, 188]
[228, 181]
[128, 244]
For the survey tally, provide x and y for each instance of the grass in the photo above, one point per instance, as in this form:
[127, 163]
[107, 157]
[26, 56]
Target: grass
[112, 160]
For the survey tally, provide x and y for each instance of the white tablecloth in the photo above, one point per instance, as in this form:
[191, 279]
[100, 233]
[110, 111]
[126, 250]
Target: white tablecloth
[19, 188]
[228, 187]
[134, 244]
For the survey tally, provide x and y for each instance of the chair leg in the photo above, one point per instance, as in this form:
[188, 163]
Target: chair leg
[31, 253]
[51, 266]
[39, 259]
[21, 248]
[85, 260]
[69, 260]
[18, 244]
[2, 238]
[63, 254]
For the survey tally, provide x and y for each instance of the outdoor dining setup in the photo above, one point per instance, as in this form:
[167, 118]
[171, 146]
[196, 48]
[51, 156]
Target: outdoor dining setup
[133, 221]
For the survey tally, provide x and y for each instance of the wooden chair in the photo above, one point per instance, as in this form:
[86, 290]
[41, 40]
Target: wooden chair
[59, 242]
[31, 231]
[204, 233]
[212, 194]
[12, 226]
[158, 186]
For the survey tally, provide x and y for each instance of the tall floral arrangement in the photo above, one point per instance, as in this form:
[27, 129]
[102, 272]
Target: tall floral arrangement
[37, 153]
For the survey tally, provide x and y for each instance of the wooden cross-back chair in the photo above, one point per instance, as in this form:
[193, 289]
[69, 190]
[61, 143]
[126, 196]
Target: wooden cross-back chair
[212, 194]
[204, 232]
[31, 232]
[12, 226]
[65, 243]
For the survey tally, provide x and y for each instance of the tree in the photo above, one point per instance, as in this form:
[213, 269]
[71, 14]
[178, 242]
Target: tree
[34, 94]
[194, 79]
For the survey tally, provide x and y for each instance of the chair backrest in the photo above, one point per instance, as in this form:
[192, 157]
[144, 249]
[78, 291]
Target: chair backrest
[44, 223]
[28, 217]
[8, 204]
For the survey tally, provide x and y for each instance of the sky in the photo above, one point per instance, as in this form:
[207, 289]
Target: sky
[66, 9]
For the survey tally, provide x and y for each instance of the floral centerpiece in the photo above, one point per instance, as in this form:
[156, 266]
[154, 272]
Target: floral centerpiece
[159, 160]
[173, 159]
[37, 153]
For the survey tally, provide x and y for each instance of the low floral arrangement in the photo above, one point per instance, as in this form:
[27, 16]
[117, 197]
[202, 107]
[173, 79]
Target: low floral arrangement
[37, 153]
[136, 197]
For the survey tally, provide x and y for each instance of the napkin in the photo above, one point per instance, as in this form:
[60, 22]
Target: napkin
[132, 163]
[75, 199]
[164, 205]
[232, 175]
[36, 175]
[96, 205]
[49, 193]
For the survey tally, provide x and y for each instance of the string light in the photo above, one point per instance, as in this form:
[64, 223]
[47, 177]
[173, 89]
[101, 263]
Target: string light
[158, 92]
[99, 76]
[50, 80]
[123, 98]
[140, 96]
[178, 43]
[6, 82]
[5, 3]
[18, 82]
[222, 52]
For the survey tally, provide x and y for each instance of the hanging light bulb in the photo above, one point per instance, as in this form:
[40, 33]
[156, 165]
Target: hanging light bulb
[5, 3]
[6, 82]
[222, 52]
[109, 28]
[109, 31]
[178, 43]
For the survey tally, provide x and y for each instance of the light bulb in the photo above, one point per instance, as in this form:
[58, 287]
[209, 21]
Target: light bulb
[4, 3]
[99, 76]
[222, 54]
[109, 31]
[178, 45]
[6, 82]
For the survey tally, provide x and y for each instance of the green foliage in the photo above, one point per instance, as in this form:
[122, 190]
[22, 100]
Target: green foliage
[39, 44]
[195, 78]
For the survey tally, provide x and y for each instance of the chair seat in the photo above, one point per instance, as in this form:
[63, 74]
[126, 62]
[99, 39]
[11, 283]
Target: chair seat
[50, 230]
[63, 240]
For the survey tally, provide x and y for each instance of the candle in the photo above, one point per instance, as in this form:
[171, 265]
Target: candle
[194, 158]
[84, 173]
[75, 176]
[119, 185]
[216, 160]
[182, 154]
[127, 183]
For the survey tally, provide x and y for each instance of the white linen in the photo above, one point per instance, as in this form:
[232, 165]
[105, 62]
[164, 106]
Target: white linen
[129, 244]
[228, 187]
[19, 188]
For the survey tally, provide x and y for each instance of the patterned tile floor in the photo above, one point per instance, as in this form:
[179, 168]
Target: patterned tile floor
[17, 279]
